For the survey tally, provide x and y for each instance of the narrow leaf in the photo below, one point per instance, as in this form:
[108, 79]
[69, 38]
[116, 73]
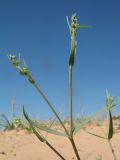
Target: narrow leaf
[80, 126]
[5, 118]
[46, 129]
[110, 131]
[72, 56]
[68, 22]
[41, 127]
[95, 134]
[86, 121]
[109, 105]
[84, 27]
[41, 138]
[51, 124]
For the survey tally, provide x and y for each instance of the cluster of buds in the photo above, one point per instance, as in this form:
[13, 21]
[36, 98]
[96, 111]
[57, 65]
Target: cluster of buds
[73, 27]
[23, 70]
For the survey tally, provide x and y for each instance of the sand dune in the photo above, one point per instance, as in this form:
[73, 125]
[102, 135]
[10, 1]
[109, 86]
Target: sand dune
[22, 145]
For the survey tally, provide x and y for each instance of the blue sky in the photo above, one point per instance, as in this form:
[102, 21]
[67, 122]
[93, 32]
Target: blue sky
[38, 30]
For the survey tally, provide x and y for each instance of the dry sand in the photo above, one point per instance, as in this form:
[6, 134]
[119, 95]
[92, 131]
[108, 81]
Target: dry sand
[21, 145]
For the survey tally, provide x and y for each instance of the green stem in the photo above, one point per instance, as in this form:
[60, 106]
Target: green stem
[112, 150]
[40, 137]
[74, 148]
[71, 116]
[51, 107]
[47, 143]
[55, 150]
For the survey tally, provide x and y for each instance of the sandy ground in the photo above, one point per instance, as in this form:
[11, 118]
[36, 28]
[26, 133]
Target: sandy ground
[22, 145]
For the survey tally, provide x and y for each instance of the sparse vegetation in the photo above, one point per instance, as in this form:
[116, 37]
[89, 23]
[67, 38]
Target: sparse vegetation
[15, 123]
[73, 126]
[5, 124]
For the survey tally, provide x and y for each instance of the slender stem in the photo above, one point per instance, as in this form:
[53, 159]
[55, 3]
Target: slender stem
[74, 148]
[52, 108]
[71, 116]
[112, 150]
[55, 150]
[40, 137]
[45, 141]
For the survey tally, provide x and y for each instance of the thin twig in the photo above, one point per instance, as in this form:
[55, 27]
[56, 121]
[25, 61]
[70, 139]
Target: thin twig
[49, 145]
[112, 150]
[40, 137]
